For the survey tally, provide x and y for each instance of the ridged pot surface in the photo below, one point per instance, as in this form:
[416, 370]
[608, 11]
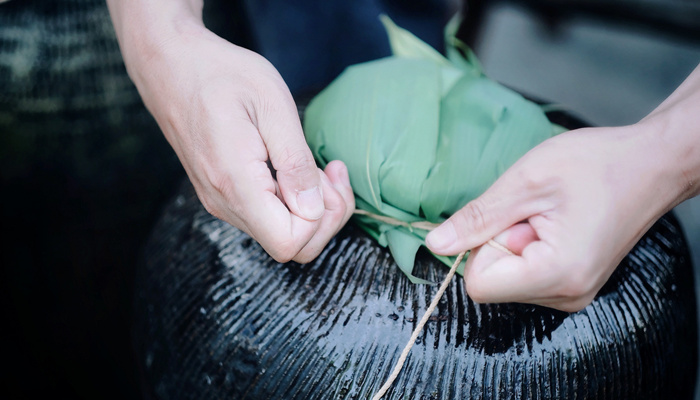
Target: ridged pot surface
[219, 319]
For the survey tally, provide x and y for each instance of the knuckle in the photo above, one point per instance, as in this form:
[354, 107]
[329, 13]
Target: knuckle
[301, 259]
[472, 217]
[539, 182]
[224, 187]
[208, 202]
[283, 252]
[530, 178]
[287, 246]
[305, 256]
[219, 182]
[298, 163]
[219, 196]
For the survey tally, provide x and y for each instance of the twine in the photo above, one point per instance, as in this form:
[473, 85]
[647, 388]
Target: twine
[436, 299]
[425, 225]
[414, 336]
[419, 328]
[500, 247]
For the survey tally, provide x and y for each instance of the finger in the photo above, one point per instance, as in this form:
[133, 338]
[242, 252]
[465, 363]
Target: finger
[249, 195]
[512, 241]
[282, 234]
[333, 219]
[517, 237]
[492, 276]
[337, 173]
[504, 204]
[297, 174]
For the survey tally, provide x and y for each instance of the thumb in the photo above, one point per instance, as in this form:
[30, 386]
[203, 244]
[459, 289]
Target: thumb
[296, 171]
[500, 207]
[299, 180]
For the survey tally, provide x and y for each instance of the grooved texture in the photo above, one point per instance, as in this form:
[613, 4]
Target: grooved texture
[218, 318]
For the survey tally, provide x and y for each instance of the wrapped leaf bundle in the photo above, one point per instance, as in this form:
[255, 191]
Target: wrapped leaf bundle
[421, 134]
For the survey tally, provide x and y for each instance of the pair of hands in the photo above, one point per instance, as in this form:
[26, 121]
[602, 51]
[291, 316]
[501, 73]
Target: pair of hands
[569, 210]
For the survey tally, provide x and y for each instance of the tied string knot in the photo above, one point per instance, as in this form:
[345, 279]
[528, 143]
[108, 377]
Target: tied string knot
[436, 299]
[425, 225]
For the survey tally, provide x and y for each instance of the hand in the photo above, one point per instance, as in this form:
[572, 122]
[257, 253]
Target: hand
[570, 210]
[574, 206]
[230, 118]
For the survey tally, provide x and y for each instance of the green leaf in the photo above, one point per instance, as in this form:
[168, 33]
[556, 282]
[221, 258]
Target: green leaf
[458, 53]
[405, 44]
[403, 246]
[484, 129]
[374, 117]
[421, 135]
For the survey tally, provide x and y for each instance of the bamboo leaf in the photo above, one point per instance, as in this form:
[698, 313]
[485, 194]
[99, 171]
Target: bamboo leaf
[403, 246]
[484, 129]
[421, 135]
[374, 117]
[405, 44]
[458, 53]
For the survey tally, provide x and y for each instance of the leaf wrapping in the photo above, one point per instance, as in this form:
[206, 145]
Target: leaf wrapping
[421, 135]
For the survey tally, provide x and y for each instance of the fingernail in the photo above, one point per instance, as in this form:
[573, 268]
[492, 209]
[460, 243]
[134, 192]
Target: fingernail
[310, 203]
[442, 237]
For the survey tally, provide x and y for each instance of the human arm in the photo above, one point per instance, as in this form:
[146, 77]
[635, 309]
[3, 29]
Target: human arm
[574, 206]
[229, 116]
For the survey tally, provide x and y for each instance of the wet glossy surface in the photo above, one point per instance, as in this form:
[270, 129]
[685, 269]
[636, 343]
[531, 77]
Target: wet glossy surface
[220, 319]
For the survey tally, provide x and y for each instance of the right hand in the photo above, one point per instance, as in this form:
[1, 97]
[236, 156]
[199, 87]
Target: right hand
[572, 208]
[227, 113]
[569, 210]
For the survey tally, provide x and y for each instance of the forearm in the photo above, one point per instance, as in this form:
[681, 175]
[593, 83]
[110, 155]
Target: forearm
[154, 14]
[145, 28]
[675, 128]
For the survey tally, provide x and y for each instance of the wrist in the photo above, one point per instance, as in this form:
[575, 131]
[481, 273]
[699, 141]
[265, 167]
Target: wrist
[674, 129]
[669, 163]
[146, 30]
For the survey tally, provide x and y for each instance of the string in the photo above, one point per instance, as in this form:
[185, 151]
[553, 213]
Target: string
[392, 221]
[436, 299]
[500, 247]
[422, 225]
[419, 328]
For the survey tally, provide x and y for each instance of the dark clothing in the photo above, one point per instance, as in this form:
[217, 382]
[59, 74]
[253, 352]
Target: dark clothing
[311, 41]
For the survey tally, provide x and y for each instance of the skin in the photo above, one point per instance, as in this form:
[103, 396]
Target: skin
[229, 116]
[574, 206]
[570, 209]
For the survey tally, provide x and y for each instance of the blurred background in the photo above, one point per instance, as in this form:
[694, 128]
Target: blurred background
[84, 170]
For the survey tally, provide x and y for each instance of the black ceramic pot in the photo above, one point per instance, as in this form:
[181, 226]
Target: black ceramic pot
[219, 319]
